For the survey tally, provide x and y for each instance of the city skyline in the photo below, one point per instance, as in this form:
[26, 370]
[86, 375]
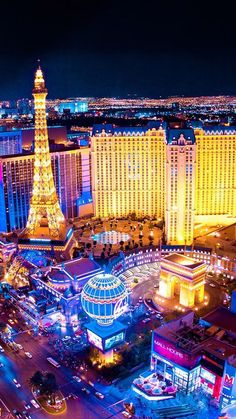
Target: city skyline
[117, 259]
[118, 210]
[116, 49]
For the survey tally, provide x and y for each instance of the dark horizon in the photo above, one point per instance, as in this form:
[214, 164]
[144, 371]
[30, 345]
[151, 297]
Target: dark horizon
[111, 50]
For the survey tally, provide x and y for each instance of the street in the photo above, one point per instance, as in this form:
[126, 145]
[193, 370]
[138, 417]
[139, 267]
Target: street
[17, 365]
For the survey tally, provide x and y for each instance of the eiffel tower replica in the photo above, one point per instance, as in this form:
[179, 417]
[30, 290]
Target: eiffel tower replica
[46, 227]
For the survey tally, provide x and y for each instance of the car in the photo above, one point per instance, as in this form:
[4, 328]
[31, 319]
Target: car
[20, 346]
[66, 338]
[1, 365]
[99, 395]
[27, 406]
[35, 404]
[28, 354]
[126, 414]
[146, 320]
[73, 396]
[76, 378]
[1, 349]
[18, 385]
[11, 321]
[26, 415]
[85, 390]
[17, 414]
[212, 285]
[155, 286]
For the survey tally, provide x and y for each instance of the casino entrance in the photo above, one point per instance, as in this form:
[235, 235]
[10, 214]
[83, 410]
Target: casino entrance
[184, 379]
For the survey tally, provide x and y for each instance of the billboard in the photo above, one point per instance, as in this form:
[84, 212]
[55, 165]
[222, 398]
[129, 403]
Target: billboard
[229, 381]
[207, 375]
[171, 352]
[114, 340]
[95, 339]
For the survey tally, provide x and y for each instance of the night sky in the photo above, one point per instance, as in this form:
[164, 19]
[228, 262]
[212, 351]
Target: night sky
[118, 48]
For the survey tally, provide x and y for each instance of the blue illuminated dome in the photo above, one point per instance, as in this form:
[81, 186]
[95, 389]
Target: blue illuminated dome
[104, 298]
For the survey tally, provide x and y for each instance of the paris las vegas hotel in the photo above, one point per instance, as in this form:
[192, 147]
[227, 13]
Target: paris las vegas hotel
[183, 176]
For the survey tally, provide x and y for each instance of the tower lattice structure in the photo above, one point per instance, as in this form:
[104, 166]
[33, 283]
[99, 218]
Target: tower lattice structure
[45, 215]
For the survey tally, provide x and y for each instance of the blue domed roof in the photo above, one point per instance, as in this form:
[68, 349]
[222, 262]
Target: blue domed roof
[104, 286]
[104, 298]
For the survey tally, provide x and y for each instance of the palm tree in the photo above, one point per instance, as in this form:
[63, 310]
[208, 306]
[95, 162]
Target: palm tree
[122, 244]
[49, 386]
[37, 379]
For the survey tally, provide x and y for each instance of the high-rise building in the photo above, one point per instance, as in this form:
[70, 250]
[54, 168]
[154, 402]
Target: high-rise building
[73, 106]
[181, 175]
[180, 185]
[215, 192]
[72, 178]
[128, 170]
[10, 142]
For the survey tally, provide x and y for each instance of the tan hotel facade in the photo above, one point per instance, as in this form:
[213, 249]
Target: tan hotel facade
[179, 175]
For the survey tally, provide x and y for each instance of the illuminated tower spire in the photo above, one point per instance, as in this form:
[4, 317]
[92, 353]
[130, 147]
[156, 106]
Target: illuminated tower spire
[45, 216]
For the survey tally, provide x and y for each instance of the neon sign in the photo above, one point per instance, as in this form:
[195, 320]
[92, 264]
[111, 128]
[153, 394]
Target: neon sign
[168, 348]
[228, 381]
[170, 352]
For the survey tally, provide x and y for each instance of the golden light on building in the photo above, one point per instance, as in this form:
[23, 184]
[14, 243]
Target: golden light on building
[126, 176]
[180, 186]
[46, 228]
[184, 277]
[45, 215]
[215, 192]
[183, 176]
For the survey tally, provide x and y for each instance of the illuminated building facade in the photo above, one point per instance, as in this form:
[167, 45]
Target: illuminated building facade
[179, 175]
[195, 354]
[58, 183]
[105, 298]
[128, 170]
[45, 216]
[64, 283]
[180, 186]
[10, 142]
[215, 192]
[74, 106]
[46, 227]
[72, 178]
[184, 276]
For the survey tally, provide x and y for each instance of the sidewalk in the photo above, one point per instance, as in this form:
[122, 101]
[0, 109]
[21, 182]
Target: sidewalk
[149, 409]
